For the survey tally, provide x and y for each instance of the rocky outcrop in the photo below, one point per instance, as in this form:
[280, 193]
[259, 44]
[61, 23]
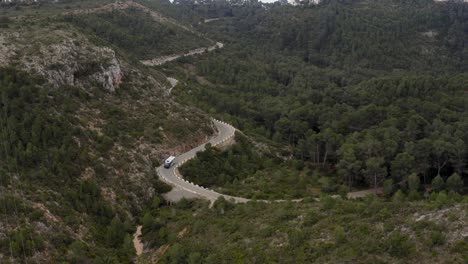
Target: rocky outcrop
[6, 51]
[110, 77]
[72, 63]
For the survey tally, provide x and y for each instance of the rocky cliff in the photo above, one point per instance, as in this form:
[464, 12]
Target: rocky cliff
[63, 60]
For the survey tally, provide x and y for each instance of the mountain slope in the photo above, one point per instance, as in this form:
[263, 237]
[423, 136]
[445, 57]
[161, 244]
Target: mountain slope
[137, 29]
[83, 126]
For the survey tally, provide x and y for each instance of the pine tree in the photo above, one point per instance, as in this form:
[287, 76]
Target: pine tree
[438, 183]
[455, 183]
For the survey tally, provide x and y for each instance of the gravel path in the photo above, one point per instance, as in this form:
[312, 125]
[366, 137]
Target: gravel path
[165, 59]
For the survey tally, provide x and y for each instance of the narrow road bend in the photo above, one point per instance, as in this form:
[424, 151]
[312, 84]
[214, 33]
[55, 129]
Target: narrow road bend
[187, 189]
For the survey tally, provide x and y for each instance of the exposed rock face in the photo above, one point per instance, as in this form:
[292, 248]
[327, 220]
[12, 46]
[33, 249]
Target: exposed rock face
[69, 63]
[62, 59]
[6, 51]
[110, 77]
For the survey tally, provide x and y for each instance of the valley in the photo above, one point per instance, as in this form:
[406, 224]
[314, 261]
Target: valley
[330, 132]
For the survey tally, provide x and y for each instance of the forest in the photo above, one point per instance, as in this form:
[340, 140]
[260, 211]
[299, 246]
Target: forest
[136, 33]
[363, 125]
[243, 171]
[40, 151]
[343, 96]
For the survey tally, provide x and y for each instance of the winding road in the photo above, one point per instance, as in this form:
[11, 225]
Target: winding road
[183, 188]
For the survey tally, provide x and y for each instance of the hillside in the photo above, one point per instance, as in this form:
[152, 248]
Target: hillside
[83, 125]
[331, 231]
[138, 30]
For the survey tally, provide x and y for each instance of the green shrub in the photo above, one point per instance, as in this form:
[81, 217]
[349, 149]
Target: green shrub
[462, 248]
[399, 245]
[296, 238]
[343, 191]
[442, 199]
[339, 234]
[454, 196]
[438, 183]
[311, 218]
[414, 182]
[437, 238]
[414, 195]
[388, 187]
[455, 183]
[398, 197]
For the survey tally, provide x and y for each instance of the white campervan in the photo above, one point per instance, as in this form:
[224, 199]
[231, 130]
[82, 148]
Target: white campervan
[168, 162]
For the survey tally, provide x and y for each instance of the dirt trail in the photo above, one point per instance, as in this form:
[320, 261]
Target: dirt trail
[364, 193]
[164, 59]
[137, 242]
[156, 256]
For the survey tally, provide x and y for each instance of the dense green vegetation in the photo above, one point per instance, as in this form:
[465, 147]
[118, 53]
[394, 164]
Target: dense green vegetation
[329, 97]
[45, 153]
[361, 122]
[137, 33]
[36, 142]
[397, 122]
[196, 12]
[379, 35]
[40, 151]
[359, 36]
[331, 231]
[243, 171]
[46, 7]
[76, 161]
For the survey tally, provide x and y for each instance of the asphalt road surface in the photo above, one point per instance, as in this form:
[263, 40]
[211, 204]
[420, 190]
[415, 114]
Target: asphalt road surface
[186, 189]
